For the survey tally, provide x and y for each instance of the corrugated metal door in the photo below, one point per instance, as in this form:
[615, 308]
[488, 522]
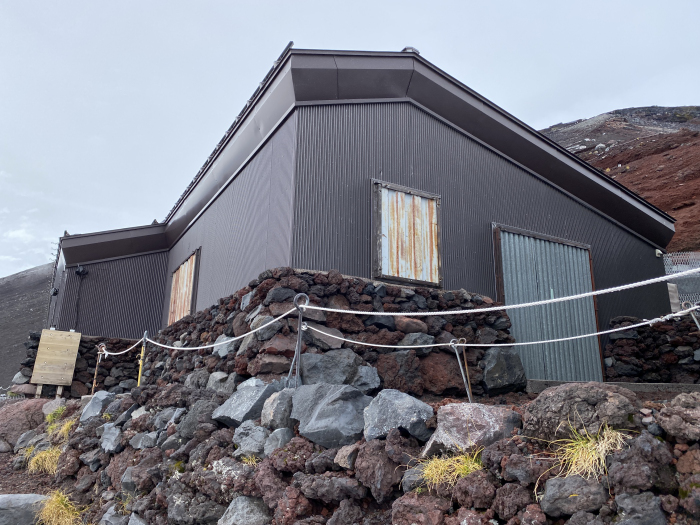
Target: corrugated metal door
[536, 269]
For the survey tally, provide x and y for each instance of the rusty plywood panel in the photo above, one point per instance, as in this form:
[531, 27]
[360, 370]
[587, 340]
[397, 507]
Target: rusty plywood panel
[409, 235]
[181, 290]
[55, 359]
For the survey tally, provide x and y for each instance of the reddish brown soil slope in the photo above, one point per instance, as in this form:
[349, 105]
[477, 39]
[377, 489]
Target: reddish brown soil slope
[665, 170]
[654, 151]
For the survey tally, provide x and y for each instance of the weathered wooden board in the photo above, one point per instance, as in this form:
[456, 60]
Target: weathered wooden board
[55, 359]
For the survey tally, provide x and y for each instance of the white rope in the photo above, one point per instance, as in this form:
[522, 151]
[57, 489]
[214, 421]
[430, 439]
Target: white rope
[222, 342]
[106, 352]
[512, 306]
[434, 345]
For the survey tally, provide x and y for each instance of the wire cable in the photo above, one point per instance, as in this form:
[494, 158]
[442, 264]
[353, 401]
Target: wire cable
[485, 345]
[513, 306]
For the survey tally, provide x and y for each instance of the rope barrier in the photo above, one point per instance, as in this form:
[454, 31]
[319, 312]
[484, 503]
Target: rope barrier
[107, 352]
[513, 306]
[223, 342]
[484, 345]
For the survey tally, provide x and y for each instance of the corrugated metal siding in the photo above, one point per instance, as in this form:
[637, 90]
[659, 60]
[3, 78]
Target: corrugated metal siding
[342, 147]
[536, 270]
[117, 298]
[409, 236]
[247, 229]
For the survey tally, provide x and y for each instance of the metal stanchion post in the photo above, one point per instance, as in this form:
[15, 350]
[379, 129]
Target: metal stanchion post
[297, 350]
[143, 353]
[465, 378]
[100, 352]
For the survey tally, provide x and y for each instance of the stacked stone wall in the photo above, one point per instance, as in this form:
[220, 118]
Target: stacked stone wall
[268, 354]
[116, 373]
[667, 352]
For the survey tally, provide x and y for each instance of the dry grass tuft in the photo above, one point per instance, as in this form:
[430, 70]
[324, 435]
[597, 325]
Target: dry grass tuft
[28, 452]
[65, 429]
[448, 470]
[45, 462]
[584, 454]
[251, 461]
[54, 416]
[58, 509]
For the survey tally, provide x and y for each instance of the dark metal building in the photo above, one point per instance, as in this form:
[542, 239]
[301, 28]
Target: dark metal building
[305, 177]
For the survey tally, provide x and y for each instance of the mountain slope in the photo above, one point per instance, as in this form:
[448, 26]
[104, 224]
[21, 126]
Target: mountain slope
[653, 151]
[23, 302]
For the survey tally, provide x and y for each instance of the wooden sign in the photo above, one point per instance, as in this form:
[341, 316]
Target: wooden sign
[55, 359]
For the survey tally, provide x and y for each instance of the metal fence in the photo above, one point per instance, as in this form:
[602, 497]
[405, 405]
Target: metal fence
[688, 287]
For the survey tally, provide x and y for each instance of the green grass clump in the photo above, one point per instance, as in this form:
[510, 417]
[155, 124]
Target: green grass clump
[54, 416]
[58, 509]
[449, 469]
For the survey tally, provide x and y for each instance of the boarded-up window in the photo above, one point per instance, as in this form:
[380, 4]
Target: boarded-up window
[182, 289]
[407, 243]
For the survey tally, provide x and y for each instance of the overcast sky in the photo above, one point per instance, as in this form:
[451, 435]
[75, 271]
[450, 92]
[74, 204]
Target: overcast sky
[108, 109]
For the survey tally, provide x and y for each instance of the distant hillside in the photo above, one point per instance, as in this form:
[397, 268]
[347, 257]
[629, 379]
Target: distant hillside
[23, 303]
[654, 151]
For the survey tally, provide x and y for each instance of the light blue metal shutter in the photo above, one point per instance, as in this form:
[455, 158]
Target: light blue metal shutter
[535, 269]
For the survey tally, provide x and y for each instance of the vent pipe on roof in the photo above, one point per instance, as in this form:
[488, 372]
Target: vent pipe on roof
[409, 49]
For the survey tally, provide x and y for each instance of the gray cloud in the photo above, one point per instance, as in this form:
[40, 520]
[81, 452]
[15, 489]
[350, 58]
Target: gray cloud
[108, 109]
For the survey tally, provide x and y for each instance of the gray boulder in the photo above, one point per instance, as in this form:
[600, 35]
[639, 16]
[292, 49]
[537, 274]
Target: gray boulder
[550, 416]
[19, 509]
[222, 382]
[277, 410]
[468, 426]
[200, 413]
[412, 479]
[249, 341]
[279, 295]
[366, 380]
[416, 339]
[24, 440]
[584, 518]
[111, 517]
[503, 371]
[329, 415]
[111, 437]
[246, 402]
[569, 495]
[197, 379]
[127, 481]
[228, 345]
[250, 440]
[339, 367]
[269, 331]
[381, 321]
[126, 415]
[322, 340]
[640, 509]
[53, 405]
[97, 403]
[167, 416]
[135, 519]
[277, 439]
[92, 459]
[394, 409]
[20, 379]
[335, 367]
[144, 440]
[246, 511]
